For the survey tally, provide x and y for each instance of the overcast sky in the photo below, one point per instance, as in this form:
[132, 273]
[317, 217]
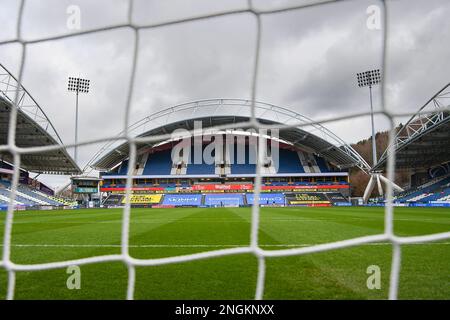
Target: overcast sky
[309, 59]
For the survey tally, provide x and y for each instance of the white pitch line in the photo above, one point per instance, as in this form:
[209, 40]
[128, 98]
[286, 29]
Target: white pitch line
[200, 245]
[157, 221]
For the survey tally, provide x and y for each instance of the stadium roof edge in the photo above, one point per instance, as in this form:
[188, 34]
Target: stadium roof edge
[304, 132]
[429, 126]
[33, 129]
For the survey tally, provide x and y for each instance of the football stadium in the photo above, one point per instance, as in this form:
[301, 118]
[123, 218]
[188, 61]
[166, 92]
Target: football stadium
[222, 198]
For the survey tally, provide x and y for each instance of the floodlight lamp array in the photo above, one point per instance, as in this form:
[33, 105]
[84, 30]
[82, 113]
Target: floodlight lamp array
[369, 78]
[78, 85]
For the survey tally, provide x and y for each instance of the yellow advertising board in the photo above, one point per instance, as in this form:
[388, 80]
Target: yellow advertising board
[144, 198]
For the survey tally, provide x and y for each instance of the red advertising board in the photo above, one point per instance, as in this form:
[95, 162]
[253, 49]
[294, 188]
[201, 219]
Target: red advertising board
[222, 187]
[243, 187]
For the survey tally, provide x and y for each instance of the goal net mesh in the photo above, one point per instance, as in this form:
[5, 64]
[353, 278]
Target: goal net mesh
[253, 248]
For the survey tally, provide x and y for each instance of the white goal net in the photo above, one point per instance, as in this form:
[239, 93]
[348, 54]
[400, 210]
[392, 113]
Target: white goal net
[254, 248]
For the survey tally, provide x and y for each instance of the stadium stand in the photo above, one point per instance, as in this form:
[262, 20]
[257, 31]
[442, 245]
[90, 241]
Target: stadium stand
[29, 196]
[234, 189]
[4, 196]
[174, 170]
[430, 191]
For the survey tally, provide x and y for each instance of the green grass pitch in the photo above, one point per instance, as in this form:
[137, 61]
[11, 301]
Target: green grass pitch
[45, 236]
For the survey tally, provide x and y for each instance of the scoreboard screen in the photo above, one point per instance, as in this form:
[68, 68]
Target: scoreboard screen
[85, 189]
[85, 185]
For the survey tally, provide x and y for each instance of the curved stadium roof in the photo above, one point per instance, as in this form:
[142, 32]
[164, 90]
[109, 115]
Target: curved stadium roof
[302, 131]
[424, 141]
[33, 129]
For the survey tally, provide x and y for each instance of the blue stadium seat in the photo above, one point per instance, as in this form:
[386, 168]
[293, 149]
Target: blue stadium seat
[200, 168]
[25, 201]
[30, 193]
[246, 167]
[289, 162]
[321, 164]
[437, 195]
[159, 163]
[422, 191]
[123, 170]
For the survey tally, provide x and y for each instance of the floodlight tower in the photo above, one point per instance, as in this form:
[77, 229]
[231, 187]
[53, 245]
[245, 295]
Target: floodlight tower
[368, 79]
[77, 85]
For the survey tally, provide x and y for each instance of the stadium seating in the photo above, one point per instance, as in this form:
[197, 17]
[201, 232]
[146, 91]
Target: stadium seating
[6, 193]
[38, 197]
[289, 162]
[445, 196]
[321, 164]
[159, 163]
[123, 169]
[430, 191]
[28, 197]
[437, 196]
[200, 168]
[246, 167]
[5, 196]
[22, 194]
[53, 200]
